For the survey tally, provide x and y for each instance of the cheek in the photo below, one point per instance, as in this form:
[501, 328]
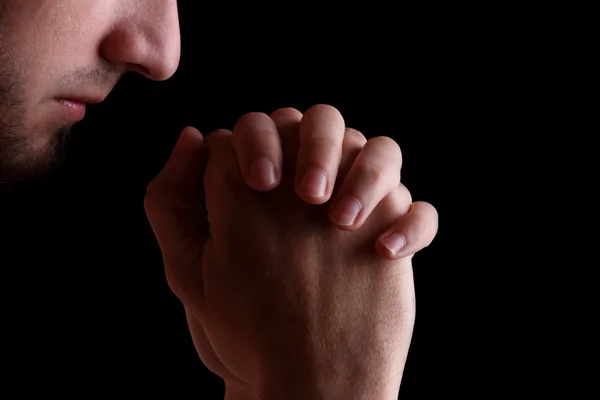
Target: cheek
[24, 71]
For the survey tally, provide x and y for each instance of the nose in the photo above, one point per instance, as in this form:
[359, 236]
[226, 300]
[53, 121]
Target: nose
[145, 40]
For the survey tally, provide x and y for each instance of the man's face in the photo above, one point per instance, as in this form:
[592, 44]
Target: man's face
[57, 55]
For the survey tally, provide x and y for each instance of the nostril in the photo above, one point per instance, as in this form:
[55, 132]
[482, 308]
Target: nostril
[139, 69]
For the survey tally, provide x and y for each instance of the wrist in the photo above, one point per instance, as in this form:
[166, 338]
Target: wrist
[235, 390]
[350, 382]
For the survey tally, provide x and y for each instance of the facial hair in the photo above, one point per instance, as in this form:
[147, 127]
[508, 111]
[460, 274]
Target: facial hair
[21, 163]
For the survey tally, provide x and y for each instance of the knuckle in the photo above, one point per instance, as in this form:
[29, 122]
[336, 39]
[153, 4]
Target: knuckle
[249, 119]
[396, 203]
[219, 134]
[426, 233]
[324, 113]
[252, 116]
[174, 281]
[148, 202]
[429, 236]
[428, 206]
[355, 136]
[152, 191]
[216, 138]
[425, 229]
[427, 211]
[404, 194]
[319, 141]
[372, 172]
[433, 221]
[390, 208]
[323, 108]
[284, 113]
[320, 145]
[386, 143]
[156, 197]
[232, 176]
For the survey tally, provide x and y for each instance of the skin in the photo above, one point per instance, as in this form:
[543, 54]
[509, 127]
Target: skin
[79, 49]
[98, 41]
[343, 317]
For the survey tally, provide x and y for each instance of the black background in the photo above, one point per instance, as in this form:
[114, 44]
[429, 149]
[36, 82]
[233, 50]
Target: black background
[86, 304]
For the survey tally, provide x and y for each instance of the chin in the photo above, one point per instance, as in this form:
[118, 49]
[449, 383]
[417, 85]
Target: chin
[25, 167]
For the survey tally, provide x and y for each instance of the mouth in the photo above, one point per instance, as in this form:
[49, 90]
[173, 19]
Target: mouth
[74, 107]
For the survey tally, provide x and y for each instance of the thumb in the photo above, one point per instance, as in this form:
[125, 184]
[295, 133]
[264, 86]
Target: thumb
[173, 207]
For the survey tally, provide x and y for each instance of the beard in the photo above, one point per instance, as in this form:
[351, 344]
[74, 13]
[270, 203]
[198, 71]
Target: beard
[24, 160]
[22, 166]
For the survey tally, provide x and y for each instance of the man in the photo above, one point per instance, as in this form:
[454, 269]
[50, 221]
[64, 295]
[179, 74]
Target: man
[308, 311]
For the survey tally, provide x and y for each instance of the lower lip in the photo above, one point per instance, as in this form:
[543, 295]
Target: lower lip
[72, 109]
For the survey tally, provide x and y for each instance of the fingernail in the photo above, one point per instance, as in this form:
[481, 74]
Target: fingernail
[262, 172]
[346, 211]
[394, 242]
[314, 183]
